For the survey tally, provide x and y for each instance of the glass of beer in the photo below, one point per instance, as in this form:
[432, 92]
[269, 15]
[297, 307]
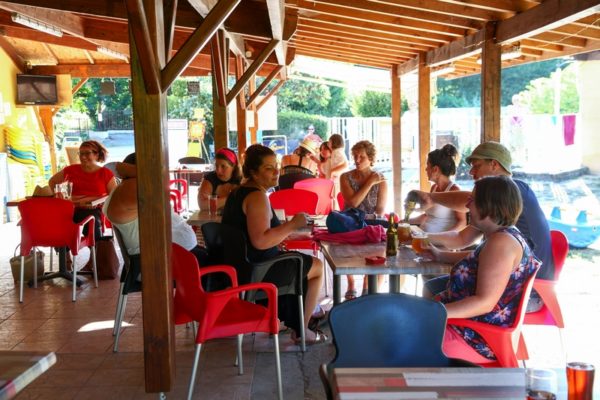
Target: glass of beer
[404, 233]
[580, 380]
[212, 205]
[420, 243]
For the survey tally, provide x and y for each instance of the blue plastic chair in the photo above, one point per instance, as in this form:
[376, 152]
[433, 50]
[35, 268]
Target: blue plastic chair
[388, 330]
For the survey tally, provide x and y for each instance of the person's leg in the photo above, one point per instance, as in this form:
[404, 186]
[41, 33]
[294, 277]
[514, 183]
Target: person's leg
[350, 291]
[315, 282]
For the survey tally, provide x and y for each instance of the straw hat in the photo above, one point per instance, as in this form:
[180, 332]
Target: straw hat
[310, 145]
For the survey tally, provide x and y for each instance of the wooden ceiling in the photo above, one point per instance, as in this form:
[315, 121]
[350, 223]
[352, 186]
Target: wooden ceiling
[374, 33]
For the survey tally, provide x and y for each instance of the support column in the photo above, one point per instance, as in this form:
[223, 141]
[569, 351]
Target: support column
[46, 114]
[397, 196]
[220, 124]
[240, 102]
[424, 121]
[254, 127]
[491, 74]
[151, 145]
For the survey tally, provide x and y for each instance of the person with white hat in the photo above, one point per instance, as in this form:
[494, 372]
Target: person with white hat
[302, 160]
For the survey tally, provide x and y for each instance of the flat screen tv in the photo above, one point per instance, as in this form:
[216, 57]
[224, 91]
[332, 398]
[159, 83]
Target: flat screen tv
[36, 89]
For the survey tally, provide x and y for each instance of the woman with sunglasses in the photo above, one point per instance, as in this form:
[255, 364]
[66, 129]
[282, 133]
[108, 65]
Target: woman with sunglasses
[89, 179]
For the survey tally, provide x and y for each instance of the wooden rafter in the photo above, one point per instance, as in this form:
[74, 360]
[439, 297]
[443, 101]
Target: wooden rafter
[148, 60]
[13, 55]
[217, 62]
[270, 94]
[276, 10]
[252, 69]
[352, 50]
[170, 11]
[197, 41]
[263, 85]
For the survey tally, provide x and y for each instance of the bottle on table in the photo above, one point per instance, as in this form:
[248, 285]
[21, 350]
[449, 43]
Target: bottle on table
[391, 248]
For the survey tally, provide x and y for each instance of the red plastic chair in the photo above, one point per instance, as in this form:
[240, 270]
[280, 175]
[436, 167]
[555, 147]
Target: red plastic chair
[550, 313]
[176, 199]
[180, 186]
[295, 201]
[503, 341]
[221, 313]
[48, 222]
[323, 188]
[340, 200]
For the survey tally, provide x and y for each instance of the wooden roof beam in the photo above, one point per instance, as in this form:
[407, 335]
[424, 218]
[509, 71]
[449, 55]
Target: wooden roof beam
[252, 69]
[197, 41]
[149, 62]
[410, 27]
[419, 15]
[263, 85]
[216, 48]
[348, 60]
[350, 52]
[12, 54]
[276, 10]
[268, 95]
[454, 8]
[360, 48]
[461, 48]
[408, 67]
[546, 16]
[506, 6]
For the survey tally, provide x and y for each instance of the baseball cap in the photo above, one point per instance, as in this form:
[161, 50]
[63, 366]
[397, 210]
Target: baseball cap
[492, 151]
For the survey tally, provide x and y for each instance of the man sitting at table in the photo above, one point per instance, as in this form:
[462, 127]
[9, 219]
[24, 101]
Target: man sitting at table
[493, 159]
[121, 208]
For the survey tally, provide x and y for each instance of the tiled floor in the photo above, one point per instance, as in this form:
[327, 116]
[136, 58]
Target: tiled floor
[80, 334]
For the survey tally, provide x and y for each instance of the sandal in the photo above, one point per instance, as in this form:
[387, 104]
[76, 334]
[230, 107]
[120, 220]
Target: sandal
[314, 323]
[320, 338]
[350, 294]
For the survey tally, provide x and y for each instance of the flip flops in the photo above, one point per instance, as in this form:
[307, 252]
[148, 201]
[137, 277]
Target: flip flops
[350, 294]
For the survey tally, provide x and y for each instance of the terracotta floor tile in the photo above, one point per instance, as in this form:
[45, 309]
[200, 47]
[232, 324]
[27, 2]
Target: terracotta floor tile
[39, 346]
[116, 393]
[21, 325]
[118, 377]
[78, 361]
[123, 360]
[32, 392]
[55, 377]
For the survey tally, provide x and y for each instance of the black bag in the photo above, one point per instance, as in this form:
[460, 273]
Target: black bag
[15, 265]
[107, 261]
[348, 220]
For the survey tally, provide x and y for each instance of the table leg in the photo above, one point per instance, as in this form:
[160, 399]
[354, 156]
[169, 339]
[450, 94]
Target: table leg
[394, 283]
[372, 284]
[62, 270]
[337, 289]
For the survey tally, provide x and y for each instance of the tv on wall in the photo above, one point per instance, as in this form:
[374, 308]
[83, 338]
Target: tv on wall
[36, 89]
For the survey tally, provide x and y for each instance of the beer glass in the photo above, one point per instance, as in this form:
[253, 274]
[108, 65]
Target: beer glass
[580, 380]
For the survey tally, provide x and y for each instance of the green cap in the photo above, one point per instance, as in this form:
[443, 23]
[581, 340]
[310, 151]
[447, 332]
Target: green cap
[492, 151]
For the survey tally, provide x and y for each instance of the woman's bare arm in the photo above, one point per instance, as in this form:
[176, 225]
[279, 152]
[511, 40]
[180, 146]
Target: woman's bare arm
[258, 212]
[497, 260]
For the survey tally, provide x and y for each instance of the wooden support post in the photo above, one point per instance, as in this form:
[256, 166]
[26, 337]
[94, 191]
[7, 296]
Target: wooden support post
[424, 121]
[46, 114]
[398, 196]
[491, 73]
[151, 144]
[219, 77]
[263, 85]
[254, 127]
[242, 136]
[220, 123]
[268, 95]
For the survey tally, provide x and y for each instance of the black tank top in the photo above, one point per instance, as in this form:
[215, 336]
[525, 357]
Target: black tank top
[216, 182]
[233, 215]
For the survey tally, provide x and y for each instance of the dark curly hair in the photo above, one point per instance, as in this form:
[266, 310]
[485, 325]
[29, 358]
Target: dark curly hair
[254, 158]
[444, 159]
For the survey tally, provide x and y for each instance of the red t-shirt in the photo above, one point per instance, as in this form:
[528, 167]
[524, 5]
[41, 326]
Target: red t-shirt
[88, 183]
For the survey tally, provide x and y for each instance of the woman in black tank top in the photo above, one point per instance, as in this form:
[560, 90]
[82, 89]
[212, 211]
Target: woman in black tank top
[248, 209]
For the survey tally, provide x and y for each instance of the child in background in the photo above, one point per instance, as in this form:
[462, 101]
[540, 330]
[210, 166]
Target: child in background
[324, 160]
[338, 163]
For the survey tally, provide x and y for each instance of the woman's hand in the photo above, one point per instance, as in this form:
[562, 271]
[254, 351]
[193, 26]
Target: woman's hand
[299, 220]
[421, 197]
[375, 178]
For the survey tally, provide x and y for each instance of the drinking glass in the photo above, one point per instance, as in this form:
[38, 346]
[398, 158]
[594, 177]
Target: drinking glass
[212, 205]
[541, 384]
[67, 190]
[580, 380]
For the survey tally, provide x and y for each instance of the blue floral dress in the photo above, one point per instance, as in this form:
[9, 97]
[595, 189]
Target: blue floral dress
[463, 282]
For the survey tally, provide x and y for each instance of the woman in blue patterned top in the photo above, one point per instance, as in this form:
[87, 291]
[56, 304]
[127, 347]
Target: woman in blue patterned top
[488, 283]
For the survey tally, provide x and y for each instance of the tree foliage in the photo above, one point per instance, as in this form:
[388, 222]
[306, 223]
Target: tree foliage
[89, 100]
[375, 104]
[540, 95]
[466, 92]
[313, 98]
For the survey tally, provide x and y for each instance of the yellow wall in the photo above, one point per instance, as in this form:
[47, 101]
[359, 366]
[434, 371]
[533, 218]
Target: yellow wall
[589, 101]
[22, 116]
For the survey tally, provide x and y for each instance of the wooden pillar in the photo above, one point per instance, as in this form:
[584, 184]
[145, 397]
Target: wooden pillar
[46, 114]
[240, 102]
[254, 127]
[491, 73]
[151, 144]
[220, 125]
[398, 196]
[424, 121]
